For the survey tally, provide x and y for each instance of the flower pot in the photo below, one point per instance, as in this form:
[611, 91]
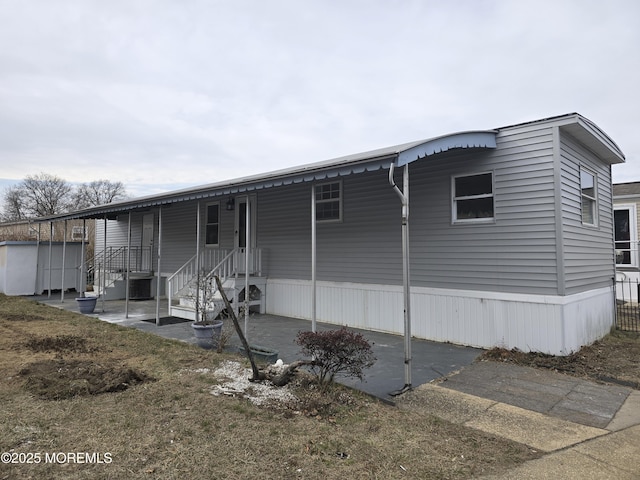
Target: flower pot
[86, 304]
[207, 333]
[262, 354]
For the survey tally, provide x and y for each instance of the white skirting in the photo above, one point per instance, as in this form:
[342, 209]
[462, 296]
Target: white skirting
[557, 325]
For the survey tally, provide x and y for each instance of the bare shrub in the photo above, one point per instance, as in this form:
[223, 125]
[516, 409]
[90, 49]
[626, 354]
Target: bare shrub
[336, 352]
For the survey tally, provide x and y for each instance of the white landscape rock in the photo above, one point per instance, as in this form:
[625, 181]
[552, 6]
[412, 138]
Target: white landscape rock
[235, 381]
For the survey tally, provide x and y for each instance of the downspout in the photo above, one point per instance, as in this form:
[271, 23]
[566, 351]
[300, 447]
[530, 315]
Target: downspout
[404, 198]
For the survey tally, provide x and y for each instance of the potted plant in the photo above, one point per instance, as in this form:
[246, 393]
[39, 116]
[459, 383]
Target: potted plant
[86, 304]
[207, 328]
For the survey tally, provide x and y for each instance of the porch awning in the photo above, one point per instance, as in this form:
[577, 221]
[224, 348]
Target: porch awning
[342, 166]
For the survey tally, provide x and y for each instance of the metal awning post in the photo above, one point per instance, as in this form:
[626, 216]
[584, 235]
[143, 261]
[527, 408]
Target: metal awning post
[313, 260]
[83, 278]
[406, 278]
[246, 267]
[104, 267]
[158, 274]
[127, 284]
[64, 260]
[50, 254]
[198, 220]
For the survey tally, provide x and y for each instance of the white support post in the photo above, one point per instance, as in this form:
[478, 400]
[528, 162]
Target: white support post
[104, 267]
[246, 267]
[313, 259]
[64, 260]
[83, 276]
[127, 273]
[158, 275]
[198, 227]
[50, 254]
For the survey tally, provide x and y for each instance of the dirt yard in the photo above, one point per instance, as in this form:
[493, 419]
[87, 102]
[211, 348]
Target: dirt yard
[614, 359]
[84, 399]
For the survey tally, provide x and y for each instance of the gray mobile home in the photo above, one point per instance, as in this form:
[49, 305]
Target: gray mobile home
[510, 237]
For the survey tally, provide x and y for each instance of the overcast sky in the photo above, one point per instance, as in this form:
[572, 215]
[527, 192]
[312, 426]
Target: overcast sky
[163, 94]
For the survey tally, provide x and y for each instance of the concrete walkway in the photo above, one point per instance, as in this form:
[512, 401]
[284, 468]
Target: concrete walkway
[587, 430]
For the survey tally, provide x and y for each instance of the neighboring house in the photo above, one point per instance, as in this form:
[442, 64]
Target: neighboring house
[511, 237]
[626, 198]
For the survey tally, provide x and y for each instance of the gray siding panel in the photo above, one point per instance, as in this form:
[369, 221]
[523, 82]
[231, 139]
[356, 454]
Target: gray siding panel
[589, 261]
[514, 254]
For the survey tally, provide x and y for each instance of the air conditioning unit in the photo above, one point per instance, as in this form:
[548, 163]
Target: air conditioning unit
[76, 234]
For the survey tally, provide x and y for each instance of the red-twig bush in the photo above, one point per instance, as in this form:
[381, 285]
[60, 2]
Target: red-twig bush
[336, 352]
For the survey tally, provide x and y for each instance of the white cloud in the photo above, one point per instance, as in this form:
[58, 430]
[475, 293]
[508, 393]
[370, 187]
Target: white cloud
[175, 93]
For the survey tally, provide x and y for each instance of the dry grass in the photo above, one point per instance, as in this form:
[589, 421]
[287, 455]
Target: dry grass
[614, 359]
[160, 420]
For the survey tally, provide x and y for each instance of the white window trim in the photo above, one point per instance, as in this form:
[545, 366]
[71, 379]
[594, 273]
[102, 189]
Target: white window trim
[633, 237]
[454, 199]
[596, 205]
[329, 220]
[206, 224]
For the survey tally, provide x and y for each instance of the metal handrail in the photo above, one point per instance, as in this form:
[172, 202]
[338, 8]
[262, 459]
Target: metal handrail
[114, 260]
[225, 267]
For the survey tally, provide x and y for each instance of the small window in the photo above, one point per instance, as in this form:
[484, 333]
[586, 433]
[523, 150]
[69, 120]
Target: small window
[213, 224]
[589, 197]
[329, 202]
[473, 198]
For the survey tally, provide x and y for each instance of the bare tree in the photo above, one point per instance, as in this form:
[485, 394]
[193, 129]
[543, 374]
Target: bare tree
[98, 192]
[44, 194]
[38, 196]
[13, 205]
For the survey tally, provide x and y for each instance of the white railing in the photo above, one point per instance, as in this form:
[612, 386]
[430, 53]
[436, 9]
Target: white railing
[181, 279]
[255, 261]
[224, 263]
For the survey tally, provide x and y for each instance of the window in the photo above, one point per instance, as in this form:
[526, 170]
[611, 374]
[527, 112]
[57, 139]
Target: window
[329, 202]
[589, 192]
[212, 231]
[626, 235]
[473, 198]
